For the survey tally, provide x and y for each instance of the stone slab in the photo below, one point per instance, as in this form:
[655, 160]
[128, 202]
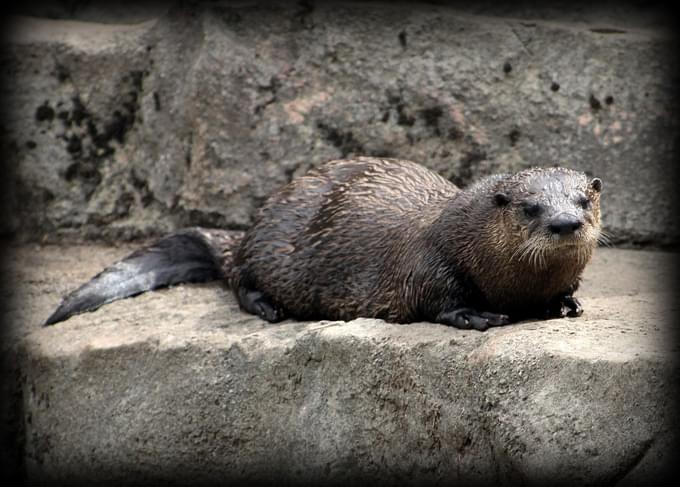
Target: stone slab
[180, 386]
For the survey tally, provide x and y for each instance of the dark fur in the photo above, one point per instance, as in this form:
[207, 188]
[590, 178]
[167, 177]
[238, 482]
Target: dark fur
[190, 255]
[390, 239]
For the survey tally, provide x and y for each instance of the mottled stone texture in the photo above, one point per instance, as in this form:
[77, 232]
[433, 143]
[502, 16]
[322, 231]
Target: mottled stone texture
[179, 386]
[171, 116]
[193, 116]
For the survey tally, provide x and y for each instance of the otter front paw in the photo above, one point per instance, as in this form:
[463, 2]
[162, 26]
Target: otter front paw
[466, 318]
[565, 306]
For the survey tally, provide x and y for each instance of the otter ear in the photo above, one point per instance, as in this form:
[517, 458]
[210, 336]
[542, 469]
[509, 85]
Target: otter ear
[596, 185]
[501, 199]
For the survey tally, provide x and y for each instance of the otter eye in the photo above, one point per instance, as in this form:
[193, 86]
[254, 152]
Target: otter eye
[585, 203]
[532, 209]
[596, 185]
[501, 199]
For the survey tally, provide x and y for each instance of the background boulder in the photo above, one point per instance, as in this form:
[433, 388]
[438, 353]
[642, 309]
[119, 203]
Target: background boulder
[167, 117]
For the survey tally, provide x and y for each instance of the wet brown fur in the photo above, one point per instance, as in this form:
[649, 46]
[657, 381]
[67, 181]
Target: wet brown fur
[385, 238]
[391, 239]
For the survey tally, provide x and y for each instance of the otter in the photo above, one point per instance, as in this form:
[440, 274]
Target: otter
[390, 239]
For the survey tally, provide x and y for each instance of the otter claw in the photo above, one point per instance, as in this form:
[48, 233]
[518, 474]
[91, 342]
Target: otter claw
[256, 303]
[267, 312]
[565, 306]
[467, 318]
[574, 306]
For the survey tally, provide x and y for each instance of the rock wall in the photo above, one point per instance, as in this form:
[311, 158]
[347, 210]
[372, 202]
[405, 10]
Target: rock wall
[192, 116]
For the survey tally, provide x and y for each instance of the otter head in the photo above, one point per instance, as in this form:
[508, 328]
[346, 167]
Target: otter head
[549, 215]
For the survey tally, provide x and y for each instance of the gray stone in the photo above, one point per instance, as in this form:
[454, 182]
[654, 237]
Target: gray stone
[180, 386]
[194, 117]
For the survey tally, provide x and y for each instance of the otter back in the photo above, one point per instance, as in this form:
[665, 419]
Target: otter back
[336, 243]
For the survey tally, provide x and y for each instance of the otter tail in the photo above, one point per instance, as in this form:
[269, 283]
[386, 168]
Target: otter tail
[189, 255]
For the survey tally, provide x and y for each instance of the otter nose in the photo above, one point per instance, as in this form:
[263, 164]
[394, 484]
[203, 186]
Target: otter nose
[565, 224]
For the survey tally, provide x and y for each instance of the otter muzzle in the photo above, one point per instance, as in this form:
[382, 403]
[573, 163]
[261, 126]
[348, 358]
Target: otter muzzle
[565, 224]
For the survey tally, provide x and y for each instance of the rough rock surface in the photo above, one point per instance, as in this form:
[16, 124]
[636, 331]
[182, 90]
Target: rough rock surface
[194, 116]
[179, 386]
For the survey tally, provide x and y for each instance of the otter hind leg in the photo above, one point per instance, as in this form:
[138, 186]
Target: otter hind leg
[255, 302]
[466, 318]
